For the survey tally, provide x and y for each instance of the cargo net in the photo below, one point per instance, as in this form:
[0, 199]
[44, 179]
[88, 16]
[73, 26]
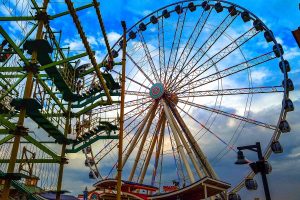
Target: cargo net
[17, 30]
[41, 176]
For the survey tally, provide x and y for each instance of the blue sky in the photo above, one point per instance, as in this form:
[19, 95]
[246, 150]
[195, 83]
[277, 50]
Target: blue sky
[280, 16]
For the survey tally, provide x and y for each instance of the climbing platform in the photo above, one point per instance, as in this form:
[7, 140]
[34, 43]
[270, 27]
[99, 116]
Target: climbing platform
[43, 49]
[84, 102]
[32, 106]
[29, 191]
[105, 130]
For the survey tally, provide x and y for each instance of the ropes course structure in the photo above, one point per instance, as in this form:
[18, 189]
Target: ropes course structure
[196, 86]
[48, 98]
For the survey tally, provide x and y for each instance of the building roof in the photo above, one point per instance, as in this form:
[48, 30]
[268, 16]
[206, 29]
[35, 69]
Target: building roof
[112, 183]
[195, 191]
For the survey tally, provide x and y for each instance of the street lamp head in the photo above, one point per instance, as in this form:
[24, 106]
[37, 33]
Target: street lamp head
[241, 160]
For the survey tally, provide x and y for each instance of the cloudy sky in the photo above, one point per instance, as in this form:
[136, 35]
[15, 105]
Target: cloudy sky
[280, 16]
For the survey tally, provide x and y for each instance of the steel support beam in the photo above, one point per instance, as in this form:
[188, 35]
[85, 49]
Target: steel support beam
[207, 168]
[27, 94]
[138, 133]
[45, 149]
[150, 151]
[178, 143]
[122, 107]
[145, 134]
[62, 61]
[14, 46]
[159, 148]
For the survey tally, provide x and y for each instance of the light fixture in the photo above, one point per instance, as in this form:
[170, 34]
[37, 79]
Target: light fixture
[241, 160]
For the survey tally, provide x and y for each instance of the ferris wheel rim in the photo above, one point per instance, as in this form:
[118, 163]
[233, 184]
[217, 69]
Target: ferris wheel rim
[283, 113]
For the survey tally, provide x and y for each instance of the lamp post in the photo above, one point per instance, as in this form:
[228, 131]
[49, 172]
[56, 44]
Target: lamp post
[85, 194]
[261, 165]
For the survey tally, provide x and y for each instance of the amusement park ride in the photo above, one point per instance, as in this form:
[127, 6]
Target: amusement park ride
[181, 63]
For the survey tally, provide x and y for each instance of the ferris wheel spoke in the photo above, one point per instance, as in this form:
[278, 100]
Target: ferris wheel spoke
[234, 116]
[142, 143]
[176, 157]
[175, 44]
[134, 81]
[187, 148]
[150, 150]
[207, 168]
[135, 111]
[158, 150]
[178, 142]
[141, 62]
[216, 58]
[235, 91]
[161, 46]
[136, 93]
[114, 143]
[140, 69]
[148, 55]
[206, 46]
[231, 70]
[208, 129]
[139, 131]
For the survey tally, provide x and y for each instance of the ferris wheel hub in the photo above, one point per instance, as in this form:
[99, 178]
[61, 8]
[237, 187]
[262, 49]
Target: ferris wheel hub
[157, 91]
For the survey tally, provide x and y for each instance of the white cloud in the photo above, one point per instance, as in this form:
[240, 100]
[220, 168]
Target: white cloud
[75, 44]
[112, 38]
[295, 153]
[292, 53]
[259, 76]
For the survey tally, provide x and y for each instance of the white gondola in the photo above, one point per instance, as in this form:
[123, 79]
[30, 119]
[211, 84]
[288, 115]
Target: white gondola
[278, 50]
[89, 161]
[245, 16]
[142, 26]
[205, 6]
[284, 65]
[288, 105]
[250, 184]
[284, 126]
[166, 14]
[153, 19]
[269, 36]
[233, 196]
[192, 7]
[92, 173]
[178, 9]
[87, 150]
[232, 10]
[276, 147]
[218, 7]
[132, 35]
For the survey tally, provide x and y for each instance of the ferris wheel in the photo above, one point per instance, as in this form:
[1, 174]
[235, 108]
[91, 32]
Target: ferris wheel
[202, 78]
